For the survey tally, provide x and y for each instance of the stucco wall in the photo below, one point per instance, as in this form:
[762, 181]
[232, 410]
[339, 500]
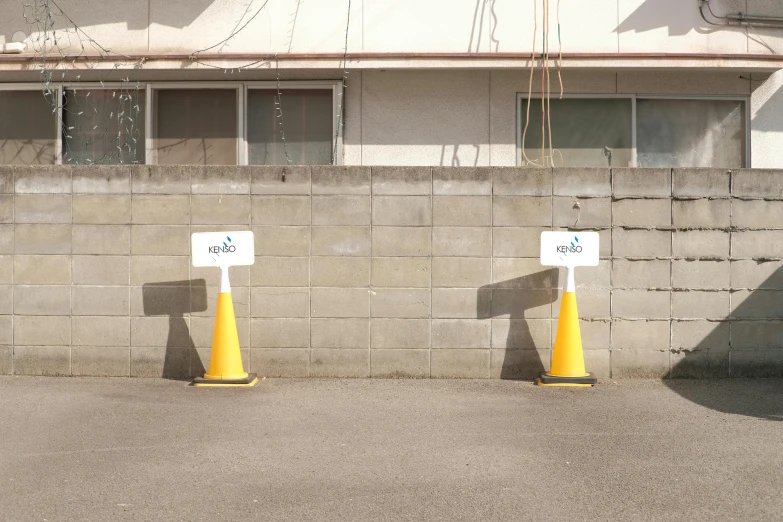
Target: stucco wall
[390, 272]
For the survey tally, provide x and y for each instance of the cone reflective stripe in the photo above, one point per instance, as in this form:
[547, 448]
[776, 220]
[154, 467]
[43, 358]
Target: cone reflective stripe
[568, 363]
[225, 362]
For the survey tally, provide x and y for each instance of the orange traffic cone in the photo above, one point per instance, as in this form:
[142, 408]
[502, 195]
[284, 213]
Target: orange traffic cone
[568, 363]
[225, 363]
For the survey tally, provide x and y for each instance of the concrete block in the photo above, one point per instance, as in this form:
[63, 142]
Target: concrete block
[700, 274]
[521, 211]
[42, 300]
[6, 239]
[593, 303]
[158, 269]
[400, 302]
[412, 272]
[7, 355]
[42, 360]
[582, 181]
[515, 181]
[220, 210]
[41, 208]
[39, 330]
[157, 361]
[339, 363]
[640, 335]
[280, 271]
[169, 332]
[639, 364]
[757, 244]
[642, 213]
[598, 362]
[463, 272]
[101, 179]
[522, 273]
[701, 213]
[100, 300]
[279, 333]
[40, 179]
[756, 335]
[401, 181]
[588, 277]
[757, 363]
[340, 271]
[6, 331]
[402, 211]
[639, 304]
[518, 364]
[101, 209]
[641, 274]
[279, 302]
[461, 303]
[6, 179]
[700, 335]
[341, 210]
[520, 304]
[400, 364]
[287, 179]
[641, 183]
[517, 241]
[751, 213]
[595, 334]
[162, 240]
[160, 210]
[700, 182]
[101, 239]
[709, 364]
[700, 243]
[340, 302]
[282, 241]
[700, 305]
[42, 239]
[280, 210]
[6, 300]
[465, 211]
[286, 362]
[42, 270]
[345, 241]
[461, 333]
[462, 241]
[400, 333]
[223, 179]
[401, 241]
[641, 243]
[100, 331]
[757, 183]
[339, 179]
[757, 274]
[459, 364]
[6, 269]
[756, 304]
[160, 179]
[100, 361]
[522, 334]
[340, 333]
[465, 181]
[6, 208]
[202, 331]
[582, 213]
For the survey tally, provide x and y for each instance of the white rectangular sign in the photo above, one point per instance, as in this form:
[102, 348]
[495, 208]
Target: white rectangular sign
[569, 248]
[222, 248]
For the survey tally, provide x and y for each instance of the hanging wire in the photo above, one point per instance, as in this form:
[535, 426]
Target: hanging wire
[279, 105]
[340, 108]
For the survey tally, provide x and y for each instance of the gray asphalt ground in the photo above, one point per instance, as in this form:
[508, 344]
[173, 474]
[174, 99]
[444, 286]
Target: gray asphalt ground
[329, 450]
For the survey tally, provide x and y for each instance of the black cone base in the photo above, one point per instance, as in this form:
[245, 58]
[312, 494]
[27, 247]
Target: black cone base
[553, 379]
[250, 380]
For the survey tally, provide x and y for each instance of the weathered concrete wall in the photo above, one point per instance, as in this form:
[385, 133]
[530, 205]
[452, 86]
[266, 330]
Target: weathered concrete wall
[390, 271]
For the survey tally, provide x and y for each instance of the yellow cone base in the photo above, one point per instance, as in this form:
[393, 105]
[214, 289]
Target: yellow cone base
[568, 363]
[225, 363]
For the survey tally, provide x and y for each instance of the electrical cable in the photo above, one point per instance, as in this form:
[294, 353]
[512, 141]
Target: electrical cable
[527, 160]
[341, 94]
[234, 33]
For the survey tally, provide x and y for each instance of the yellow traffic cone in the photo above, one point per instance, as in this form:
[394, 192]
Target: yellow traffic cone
[225, 363]
[568, 363]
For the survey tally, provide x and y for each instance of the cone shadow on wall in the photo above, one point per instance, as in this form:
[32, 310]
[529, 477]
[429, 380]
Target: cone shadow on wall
[177, 299]
[515, 299]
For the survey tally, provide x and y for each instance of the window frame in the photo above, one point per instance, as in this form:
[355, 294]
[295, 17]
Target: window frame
[522, 102]
[58, 120]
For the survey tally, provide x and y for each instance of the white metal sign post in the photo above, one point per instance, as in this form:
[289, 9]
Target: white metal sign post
[569, 250]
[224, 250]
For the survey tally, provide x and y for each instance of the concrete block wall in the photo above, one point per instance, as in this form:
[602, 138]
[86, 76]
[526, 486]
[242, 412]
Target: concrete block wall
[390, 271]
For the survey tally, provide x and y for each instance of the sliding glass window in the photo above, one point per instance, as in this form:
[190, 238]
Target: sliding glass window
[28, 128]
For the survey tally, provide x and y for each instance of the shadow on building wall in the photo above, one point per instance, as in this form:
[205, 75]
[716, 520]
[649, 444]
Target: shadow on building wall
[747, 343]
[176, 299]
[513, 298]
